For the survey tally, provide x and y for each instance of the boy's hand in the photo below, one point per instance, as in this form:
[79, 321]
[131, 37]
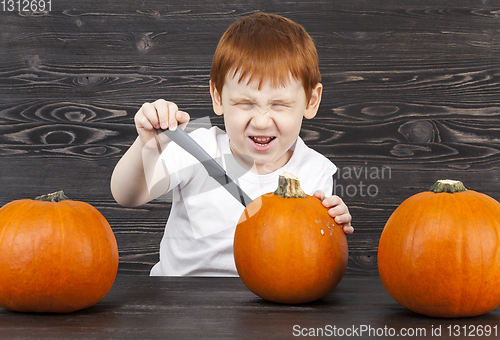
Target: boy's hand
[337, 210]
[158, 115]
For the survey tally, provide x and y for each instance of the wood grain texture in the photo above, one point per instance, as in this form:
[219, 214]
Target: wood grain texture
[410, 86]
[140, 307]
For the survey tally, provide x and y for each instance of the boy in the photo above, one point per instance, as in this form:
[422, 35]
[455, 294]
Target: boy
[264, 80]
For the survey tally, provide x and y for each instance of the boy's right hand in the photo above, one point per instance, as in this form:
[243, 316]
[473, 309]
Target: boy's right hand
[160, 114]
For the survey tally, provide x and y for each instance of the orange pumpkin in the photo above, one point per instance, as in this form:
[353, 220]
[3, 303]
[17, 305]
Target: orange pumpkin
[56, 255]
[439, 253]
[287, 248]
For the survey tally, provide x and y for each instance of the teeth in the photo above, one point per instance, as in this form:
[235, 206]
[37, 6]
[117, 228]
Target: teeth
[262, 140]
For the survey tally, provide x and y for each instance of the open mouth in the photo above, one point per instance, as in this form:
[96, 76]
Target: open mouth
[262, 140]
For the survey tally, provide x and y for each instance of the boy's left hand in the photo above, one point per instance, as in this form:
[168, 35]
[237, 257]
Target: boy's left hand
[337, 210]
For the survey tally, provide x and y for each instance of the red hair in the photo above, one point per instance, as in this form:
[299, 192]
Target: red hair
[266, 47]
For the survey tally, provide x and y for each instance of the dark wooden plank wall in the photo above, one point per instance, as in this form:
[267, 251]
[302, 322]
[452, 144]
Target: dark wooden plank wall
[412, 94]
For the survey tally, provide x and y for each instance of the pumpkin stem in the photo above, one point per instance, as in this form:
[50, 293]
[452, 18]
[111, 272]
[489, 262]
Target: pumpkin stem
[289, 186]
[447, 185]
[53, 197]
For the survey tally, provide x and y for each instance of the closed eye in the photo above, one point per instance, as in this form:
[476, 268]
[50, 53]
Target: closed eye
[280, 107]
[245, 106]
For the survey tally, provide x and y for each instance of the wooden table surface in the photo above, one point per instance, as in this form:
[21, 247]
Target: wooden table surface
[142, 307]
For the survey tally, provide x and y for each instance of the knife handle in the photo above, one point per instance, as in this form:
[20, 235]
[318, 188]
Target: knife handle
[187, 143]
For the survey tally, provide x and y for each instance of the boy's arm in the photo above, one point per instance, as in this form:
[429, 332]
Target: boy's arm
[337, 210]
[128, 182]
[139, 177]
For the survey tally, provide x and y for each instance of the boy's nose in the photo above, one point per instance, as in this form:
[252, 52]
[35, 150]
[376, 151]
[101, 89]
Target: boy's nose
[262, 121]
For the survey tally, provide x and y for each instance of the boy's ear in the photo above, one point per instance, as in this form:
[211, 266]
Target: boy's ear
[216, 99]
[313, 105]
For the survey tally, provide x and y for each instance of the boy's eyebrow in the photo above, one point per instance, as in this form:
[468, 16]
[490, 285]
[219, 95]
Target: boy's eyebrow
[239, 99]
[287, 101]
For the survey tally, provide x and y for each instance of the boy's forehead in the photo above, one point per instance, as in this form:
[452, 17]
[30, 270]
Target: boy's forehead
[236, 82]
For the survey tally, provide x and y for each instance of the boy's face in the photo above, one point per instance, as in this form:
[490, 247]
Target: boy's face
[263, 124]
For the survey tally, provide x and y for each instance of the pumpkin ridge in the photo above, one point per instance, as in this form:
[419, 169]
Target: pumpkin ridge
[435, 258]
[9, 217]
[497, 232]
[414, 230]
[108, 231]
[464, 303]
[51, 210]
[454, 201]
[431, 256]
[62, 226]
[91, 213]
[65, 221]
[17, 214]
[496, 263]
[83, 213]
[48, 211]
[477, 197]
[461, 255]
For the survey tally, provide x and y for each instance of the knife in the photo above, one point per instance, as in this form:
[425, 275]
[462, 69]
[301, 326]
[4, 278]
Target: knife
[213, 168]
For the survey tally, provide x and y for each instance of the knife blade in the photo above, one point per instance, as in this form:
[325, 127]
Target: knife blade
[213, 168]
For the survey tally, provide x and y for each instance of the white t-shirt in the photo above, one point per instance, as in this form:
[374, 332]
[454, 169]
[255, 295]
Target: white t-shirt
[198, 238]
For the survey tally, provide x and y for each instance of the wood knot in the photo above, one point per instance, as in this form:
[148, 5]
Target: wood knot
[419, 131]
[144, 43]
[33, 62]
